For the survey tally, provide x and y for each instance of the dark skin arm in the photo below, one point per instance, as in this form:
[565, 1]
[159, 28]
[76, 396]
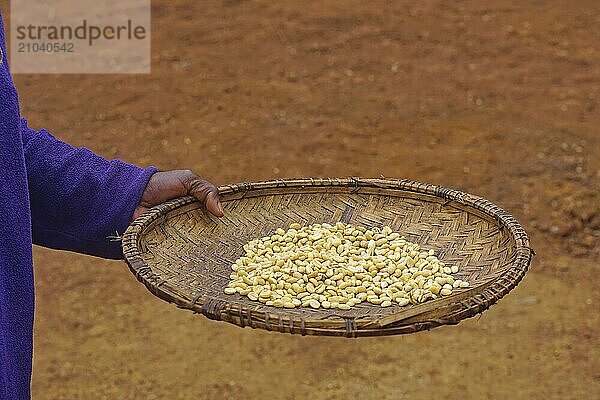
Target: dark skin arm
[168, 185]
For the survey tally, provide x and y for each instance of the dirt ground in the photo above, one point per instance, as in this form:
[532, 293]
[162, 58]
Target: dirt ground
[499, 99]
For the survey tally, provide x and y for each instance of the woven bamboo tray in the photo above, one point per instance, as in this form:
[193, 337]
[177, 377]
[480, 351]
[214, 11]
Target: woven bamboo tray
[183, 255]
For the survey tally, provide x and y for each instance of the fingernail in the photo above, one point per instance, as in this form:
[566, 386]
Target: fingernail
[221, 208]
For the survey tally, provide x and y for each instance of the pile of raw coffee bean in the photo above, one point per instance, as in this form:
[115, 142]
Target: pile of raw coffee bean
[339, 266]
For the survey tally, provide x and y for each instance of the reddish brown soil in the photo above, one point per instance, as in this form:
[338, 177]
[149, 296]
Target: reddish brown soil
[499, 99]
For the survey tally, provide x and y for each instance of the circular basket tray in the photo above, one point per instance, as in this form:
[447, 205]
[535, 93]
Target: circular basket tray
[183, 255]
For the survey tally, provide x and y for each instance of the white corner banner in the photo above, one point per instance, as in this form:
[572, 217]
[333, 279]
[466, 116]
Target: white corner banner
[80, 36]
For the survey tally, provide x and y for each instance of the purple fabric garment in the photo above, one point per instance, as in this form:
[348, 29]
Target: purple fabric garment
[57, 196]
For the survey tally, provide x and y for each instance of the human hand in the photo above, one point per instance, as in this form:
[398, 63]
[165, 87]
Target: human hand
[167, 185]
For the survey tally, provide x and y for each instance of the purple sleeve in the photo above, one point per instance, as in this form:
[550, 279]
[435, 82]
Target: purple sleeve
[78, 198]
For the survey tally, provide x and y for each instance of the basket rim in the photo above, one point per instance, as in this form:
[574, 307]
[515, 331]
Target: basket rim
[446, 311]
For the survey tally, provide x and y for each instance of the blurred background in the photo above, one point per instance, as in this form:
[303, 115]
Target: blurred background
[498, 99]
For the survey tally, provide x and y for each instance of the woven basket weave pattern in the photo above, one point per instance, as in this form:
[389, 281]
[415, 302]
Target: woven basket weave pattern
[183, 255]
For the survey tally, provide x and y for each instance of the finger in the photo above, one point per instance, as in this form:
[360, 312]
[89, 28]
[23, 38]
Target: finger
[138, 211]
[214, 205]
[207, 193]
